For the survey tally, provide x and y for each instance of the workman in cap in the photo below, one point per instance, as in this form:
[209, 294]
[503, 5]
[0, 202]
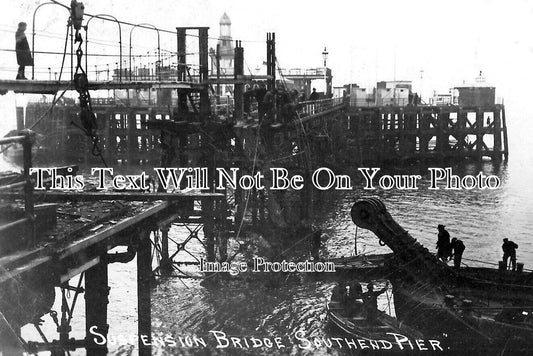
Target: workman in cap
[443, 244]
[457, 248]
[509, 250]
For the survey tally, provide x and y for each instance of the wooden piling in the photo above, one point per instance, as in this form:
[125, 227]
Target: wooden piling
[496, 127]
[144, 276]
[166, 262]
[479, 133]
[505, 141]
[20, 118]
[96, 301]
[238, 91]
[205, 104]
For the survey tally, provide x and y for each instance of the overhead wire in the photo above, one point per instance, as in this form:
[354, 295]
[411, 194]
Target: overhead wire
[148, 27]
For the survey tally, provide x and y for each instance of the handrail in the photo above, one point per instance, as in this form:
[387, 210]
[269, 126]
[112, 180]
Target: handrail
[313, 107]
[10, 225]
[12, 186]
[12, 139]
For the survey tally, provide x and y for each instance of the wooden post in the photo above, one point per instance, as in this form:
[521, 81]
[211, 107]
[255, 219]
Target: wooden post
[208, 214]
[208, 206]
[96, 300]
[270, 86]
[28, 190]
[133, 149]
[479, 134]
[402, 131]
[20, 118]
[376, 122]
[238, 72]
[217, 57]
[497, 134]
[205, 105]
[144, 276]
[239, 213]
[442, 125]
[182, 58]
[166, 263]
[505, 141]
[271, 60]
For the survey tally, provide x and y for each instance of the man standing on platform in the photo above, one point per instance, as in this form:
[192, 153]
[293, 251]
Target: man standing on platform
[314, 95]
[23, 50]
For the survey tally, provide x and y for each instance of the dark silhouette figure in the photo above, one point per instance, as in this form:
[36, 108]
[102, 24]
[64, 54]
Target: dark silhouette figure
[370, 299]
[339, 292]
[316, 242]
[283, 105]
[269, 104]
[22, 49]
[443, 244]
[247, 100]
[294, 96]
[259, 96]
[314, 95]
[457, 248]
[509, 250]
[353, 298]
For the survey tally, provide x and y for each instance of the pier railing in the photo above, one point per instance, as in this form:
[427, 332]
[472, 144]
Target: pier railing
[226, 106]
[306, 108]
[26, 223]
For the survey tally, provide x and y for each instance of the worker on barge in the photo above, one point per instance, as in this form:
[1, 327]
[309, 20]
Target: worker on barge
[457, 247]
[443, 244]
[349, 295]
[509, 250]
[370, 299]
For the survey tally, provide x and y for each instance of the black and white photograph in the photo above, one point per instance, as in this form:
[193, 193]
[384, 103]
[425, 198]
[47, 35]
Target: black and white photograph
[231, 177]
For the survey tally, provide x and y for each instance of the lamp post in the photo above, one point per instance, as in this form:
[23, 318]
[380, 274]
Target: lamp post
[325, 56]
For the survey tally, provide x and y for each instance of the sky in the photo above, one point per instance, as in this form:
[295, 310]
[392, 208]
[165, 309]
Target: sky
[437, 45]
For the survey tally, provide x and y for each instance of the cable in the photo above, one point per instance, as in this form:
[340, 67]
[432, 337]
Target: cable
[150, 28]
[54, 101]
[90, 55]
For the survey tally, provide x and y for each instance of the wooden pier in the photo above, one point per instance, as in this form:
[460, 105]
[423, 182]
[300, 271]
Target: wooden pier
[428, 133]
